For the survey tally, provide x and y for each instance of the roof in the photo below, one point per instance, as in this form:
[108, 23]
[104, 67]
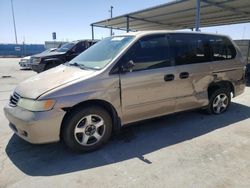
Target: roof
[149, 32]
[84, 40]
[181, 14]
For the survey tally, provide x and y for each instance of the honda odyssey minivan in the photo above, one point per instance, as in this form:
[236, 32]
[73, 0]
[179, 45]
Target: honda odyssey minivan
[124, 79]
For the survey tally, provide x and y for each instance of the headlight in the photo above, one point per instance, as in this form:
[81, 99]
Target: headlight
[34, 105]
[24, 60]
[36, 60]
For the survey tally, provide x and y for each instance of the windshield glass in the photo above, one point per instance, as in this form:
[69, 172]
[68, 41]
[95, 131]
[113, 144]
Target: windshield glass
[102, 53]
[65, 47]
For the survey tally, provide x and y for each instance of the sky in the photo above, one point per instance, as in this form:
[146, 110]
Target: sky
[71, 19]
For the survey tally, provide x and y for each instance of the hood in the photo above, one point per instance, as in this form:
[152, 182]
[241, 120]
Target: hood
[48, 54]
[35, 86]
[26, 58]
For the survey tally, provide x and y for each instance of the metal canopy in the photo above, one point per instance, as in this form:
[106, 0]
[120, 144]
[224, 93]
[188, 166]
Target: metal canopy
[182, 14]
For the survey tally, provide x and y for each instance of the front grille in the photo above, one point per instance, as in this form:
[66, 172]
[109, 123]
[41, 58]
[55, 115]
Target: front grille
[14, 99]
[31, 60]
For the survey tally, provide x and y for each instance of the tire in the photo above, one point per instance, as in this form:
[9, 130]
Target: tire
[219, 101]
[87, 129]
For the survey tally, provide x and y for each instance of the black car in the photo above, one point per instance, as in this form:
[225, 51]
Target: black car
[66, 52]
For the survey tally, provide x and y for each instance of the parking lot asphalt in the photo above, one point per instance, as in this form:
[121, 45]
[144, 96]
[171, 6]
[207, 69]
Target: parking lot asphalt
[188, 149]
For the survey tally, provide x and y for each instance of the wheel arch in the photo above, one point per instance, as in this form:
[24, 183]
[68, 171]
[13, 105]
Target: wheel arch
[116, 122]
[220, 84]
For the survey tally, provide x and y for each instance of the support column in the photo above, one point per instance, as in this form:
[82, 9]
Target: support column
[92, 31]
[127, 24]
[111, 16]
[197, 18]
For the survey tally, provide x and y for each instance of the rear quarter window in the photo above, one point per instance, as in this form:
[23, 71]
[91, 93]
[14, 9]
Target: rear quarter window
[221, 48]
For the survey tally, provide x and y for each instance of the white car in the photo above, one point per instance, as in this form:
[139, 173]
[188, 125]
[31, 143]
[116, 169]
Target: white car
[26, 61]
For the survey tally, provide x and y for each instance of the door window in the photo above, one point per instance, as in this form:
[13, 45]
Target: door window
[149, 52]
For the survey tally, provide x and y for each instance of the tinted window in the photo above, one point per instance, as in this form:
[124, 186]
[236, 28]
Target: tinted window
[149, 52]
[221, 48]
[189, 48]
[80, 47]
[65, 47]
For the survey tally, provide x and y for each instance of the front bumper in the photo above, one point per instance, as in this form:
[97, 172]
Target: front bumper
[35, 127]
[24, 64]
[37, 67]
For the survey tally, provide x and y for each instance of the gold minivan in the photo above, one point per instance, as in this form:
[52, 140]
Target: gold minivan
[124, 79]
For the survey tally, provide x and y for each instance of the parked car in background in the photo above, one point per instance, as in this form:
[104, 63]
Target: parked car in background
[124, 79]
[66, 52]
[26, 61]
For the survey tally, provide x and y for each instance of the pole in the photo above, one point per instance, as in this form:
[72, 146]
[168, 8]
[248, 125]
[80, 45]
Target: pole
[111, 16]
[14, 23]
[248, 52]
[92, 31]
[127, 24]
[197, 19]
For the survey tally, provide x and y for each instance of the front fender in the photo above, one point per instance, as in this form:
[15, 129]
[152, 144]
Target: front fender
[110, 96]
[76, 92]
[58, 60]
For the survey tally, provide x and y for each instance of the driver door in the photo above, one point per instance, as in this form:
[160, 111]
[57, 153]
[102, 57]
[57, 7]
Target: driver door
[148, 89]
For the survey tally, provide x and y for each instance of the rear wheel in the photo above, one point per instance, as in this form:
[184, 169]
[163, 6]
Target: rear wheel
[219, 101]
[87, 129]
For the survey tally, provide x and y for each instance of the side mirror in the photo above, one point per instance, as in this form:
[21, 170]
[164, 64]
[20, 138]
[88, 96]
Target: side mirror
[127, 67]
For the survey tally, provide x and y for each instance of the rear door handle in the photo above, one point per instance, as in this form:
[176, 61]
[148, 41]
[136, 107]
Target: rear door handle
[184, 75]
[169, 77]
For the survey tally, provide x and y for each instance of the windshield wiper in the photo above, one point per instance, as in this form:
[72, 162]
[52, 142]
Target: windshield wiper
[81, 66]
[74, 64]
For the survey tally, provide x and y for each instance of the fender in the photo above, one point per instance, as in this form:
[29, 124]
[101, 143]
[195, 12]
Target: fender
[54, 60]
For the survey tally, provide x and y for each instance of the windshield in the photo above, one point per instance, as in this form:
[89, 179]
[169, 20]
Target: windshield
[65, 47]
[102, 53]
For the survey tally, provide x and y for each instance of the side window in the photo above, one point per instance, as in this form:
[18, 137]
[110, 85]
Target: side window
[149, 52]
[189, 48]
[221, 48]
[80, 47]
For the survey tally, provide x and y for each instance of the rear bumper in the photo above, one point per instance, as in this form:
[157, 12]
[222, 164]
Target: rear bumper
[239, 87]
[37, 67]
[35, 127]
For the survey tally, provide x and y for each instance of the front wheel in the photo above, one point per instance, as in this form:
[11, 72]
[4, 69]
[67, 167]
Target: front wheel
[219, 101]
[87, 129]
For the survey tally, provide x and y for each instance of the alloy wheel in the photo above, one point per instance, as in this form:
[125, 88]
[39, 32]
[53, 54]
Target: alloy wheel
[220, 103]
[89, 130]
